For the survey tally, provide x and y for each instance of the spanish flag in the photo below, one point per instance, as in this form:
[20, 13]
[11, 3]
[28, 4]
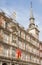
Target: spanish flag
[18, 53]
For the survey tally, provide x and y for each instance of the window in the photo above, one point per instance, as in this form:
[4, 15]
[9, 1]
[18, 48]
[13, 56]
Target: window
[5, 51]
[37, 44]
[14, 38]
[34, 50]
[8, 26]
[5, 37]
[21, 45]
[1, 36]
[23, 56]
[27, 37]
[3, 23]
[1, 49]
[37, 60]
[37, 52]
[22, 34]
[34, 59]
[27, 57]
[19, 32]
[27, 47]
[13, 53]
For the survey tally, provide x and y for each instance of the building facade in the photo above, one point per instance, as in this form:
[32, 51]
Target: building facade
[41, 53]
[17, 45]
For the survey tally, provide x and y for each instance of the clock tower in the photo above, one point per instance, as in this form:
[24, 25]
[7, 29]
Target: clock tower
[33, 29]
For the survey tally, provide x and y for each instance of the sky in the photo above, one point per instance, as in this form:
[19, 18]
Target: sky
[22, 9]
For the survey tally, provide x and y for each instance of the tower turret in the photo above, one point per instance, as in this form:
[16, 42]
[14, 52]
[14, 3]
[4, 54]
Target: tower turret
[31, 19]
[33, 29]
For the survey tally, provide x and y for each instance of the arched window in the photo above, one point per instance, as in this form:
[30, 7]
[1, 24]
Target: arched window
[4, 64]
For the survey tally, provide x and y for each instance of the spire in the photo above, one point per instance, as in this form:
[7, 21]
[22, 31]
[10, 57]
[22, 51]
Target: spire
[31, 12]
[33, 30]
[31, 4]
[32, 24]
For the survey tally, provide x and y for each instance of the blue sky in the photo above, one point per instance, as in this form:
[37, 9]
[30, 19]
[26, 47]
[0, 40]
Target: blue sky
[22, 9]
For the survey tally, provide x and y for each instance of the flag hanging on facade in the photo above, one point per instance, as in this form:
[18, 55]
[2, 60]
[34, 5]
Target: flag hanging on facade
[18, 53]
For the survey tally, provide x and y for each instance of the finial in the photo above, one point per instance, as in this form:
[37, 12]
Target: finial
[14, 15]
